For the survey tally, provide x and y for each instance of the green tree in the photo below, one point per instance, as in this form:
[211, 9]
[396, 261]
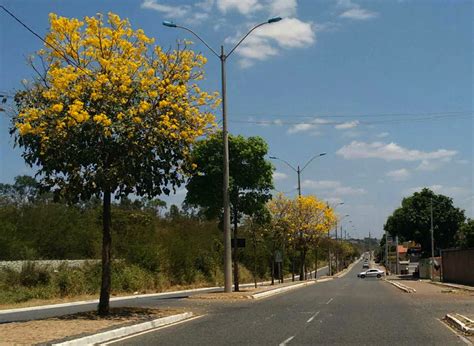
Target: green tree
[412, 220]
[24, 190]
[111, 115]
[250, 180]
[466, 234]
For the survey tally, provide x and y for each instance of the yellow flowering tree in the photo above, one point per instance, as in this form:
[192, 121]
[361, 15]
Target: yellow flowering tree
[306, 219]
[112, 114]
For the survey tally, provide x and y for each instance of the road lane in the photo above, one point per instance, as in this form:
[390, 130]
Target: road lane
[342, 311]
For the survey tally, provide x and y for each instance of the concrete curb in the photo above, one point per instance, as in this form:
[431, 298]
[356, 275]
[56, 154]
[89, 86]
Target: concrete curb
[280, 290]
[126, 331]
[401, 286]
[455, 286]
[96, 301]
[456, 320]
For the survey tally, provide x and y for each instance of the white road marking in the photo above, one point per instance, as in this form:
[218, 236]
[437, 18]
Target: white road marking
[312, 317]
[465, 340]
[287, 341]
[330, 300]
[150, 330]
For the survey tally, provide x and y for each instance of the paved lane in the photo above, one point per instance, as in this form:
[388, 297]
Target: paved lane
[342, 311]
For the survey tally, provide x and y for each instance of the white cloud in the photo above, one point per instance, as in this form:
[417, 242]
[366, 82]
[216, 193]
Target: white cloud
[308, 126]
[205, 5]
[430, 165]
[382, 135]
[334, 187]
[303, 127]
[390, 152]
[283, 8]
[352, 10]
[244, 7]
[456, 192]
[268, 40]
[277, 176]
[358, 14]
[399, 174]
[347, 125]
[168, 11]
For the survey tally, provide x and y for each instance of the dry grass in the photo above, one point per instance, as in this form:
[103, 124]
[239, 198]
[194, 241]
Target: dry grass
[42, 331]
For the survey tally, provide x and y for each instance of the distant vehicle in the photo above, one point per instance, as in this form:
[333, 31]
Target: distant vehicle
[365, 265]
[371, 273]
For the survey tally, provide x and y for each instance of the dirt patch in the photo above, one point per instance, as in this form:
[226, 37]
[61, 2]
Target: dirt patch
[80, 324]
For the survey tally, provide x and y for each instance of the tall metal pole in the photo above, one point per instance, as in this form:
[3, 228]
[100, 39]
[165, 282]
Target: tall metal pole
[298, 171]
[225, 197]
[386, 249]
[432, 240]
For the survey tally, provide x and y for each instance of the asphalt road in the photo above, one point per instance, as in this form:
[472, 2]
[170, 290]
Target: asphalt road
[347, 311]
[163, 300]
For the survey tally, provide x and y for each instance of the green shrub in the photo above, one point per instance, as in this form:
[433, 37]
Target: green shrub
[32, 275]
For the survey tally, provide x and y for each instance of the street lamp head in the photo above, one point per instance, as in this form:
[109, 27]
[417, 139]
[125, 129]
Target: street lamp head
[322, 154]
[274, 20]
[273, 157]
[169, 24]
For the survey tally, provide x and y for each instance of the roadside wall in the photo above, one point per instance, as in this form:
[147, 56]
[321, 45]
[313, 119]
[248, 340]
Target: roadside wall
[52, 264]
[458, 266]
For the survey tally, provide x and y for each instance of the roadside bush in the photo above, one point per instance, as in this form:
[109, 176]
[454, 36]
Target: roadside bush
[70, 281]
[32, 274]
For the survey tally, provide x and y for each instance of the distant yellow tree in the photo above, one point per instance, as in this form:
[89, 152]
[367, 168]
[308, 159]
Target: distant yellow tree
[305, 219]
[112, 114]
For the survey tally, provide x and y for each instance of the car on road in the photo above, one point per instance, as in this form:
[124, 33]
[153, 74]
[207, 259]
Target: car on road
[371, 273]
[365, 265]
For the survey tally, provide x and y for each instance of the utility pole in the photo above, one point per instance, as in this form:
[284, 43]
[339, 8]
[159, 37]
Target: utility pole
[396, 263]
[432, 240]
[386, 250]
[225, 137]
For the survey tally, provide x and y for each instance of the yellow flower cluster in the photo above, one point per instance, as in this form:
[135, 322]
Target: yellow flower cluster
[105, 76]
[303, 217]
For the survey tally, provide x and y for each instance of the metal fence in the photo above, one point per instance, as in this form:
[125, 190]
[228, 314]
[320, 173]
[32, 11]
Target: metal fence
[458, 266]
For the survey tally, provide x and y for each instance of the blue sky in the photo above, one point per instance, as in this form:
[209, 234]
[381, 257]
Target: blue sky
[385, 88]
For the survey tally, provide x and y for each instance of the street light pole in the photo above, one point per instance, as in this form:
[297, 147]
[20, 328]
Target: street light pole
[225, 192]
[225, 137]
[432, 239]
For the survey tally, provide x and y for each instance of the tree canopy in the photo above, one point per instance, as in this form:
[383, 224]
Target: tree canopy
[250, 176]
[412, 221]
[111, 114]
[250, 180]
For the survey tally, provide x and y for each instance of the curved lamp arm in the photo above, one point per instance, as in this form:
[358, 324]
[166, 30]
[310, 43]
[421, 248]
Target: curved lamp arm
[287, 163]
[315, 156]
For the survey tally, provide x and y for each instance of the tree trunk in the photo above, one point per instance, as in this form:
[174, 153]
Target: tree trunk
[273, 272]
[316, 262]
[255, 258]
[106, 249]
[236, 262]
[302, 265]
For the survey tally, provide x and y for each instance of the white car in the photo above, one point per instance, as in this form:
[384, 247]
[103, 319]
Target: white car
[371, 272]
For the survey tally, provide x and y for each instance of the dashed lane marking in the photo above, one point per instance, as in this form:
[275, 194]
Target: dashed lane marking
[330, 300]
[287, 341]
[312, 317]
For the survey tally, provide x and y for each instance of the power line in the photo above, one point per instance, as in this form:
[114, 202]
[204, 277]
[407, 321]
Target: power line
[355, 115]
[68, 60]
[333, 123]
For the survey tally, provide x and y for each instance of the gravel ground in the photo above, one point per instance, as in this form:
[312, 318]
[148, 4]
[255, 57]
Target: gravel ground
[44, 331]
